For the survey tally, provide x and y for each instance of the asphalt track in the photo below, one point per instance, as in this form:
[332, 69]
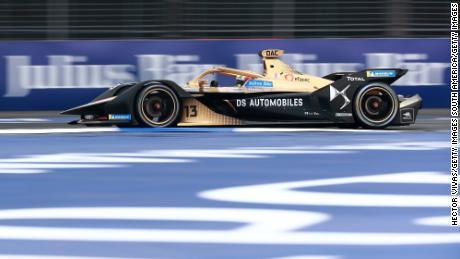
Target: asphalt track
[292, 193]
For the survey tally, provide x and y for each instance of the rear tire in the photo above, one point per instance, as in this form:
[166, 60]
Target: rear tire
[157, 106]
[375, 106]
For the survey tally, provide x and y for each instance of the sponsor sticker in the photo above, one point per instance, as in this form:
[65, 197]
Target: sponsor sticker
[354, 79]
[120, 117]
[272, 53]
[311, 114]
[258, 83]
[333, 93]
[264, 102]
[407, 115]
[301, 79]
[289, 77]
[343, 114]
[381, 73]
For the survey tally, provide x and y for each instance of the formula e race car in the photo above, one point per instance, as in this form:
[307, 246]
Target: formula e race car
[281, 95]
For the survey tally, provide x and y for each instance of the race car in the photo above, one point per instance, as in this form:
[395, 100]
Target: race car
[222, 96]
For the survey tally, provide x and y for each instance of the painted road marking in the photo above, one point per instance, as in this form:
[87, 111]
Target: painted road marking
[23, 120]
[308, 257]
[16, 256]
[286, 193]
[35, 164]
[178, 129]
[407, 146]
[441, 221]
[36, 168]
[43, 163]
[57, 130]
[263, 226]
[313, 130]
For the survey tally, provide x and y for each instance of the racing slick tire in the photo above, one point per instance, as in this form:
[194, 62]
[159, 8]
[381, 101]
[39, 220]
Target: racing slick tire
[375, 106]
[157, 106]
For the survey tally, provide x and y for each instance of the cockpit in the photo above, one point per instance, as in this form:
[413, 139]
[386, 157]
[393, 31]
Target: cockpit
[222, 76]
[277, 76]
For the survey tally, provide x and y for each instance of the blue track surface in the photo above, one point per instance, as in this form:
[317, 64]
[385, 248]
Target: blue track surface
[182, 170]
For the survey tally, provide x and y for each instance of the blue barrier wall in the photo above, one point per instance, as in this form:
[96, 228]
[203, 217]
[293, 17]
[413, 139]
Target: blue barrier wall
[55, 75]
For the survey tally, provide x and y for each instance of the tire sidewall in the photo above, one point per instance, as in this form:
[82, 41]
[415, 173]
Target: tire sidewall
[138, 106]
[361, 119]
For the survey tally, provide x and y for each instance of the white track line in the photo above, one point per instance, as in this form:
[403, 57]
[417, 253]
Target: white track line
[12, 256]
[238, 130]
[311, 129]
[57, 130]
[305, 257]
[441, 221]
[22, 120]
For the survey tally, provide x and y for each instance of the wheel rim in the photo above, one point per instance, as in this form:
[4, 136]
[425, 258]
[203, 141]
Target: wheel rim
[377, 105]
[158, 106]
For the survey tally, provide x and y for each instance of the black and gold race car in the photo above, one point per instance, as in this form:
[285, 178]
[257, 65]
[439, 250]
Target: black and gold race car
[222, 96]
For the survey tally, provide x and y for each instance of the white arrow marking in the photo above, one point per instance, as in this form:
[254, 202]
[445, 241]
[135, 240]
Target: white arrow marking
[285, 193]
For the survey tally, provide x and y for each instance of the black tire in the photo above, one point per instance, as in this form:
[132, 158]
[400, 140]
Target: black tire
[375, 106]
[157, 106]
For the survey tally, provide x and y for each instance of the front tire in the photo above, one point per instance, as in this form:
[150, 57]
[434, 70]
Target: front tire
[375, 106]
[157, 106]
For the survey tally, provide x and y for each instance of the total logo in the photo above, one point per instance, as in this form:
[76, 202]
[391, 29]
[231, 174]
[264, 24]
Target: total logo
[355, 79]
